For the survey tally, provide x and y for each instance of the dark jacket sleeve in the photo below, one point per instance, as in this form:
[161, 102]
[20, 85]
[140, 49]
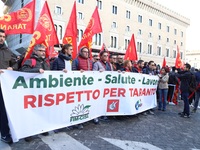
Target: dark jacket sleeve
[75, 64]
[55, 64]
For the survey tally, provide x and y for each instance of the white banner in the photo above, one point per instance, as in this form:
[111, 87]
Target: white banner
[37, 103]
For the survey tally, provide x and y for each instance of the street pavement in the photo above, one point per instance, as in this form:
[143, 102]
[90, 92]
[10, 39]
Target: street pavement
[165, 130]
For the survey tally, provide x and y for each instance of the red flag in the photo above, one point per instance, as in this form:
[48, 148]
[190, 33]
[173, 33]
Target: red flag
[21, 21]
[103, 48]
[131, 53]
[70, 36]
[53, 53]
[93, 27]
[45, 32]
[178, 62]
[164, 63]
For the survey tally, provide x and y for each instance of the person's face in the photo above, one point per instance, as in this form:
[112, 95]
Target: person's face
[113, 59]
[130, 64]
[96, 58]
[41, 53]
[85, 53]
[69, 51]
[141, 65]
[162, 71]
[104, 57]
[2, 37]
[151, 66]
[120, 59]
[185, 69]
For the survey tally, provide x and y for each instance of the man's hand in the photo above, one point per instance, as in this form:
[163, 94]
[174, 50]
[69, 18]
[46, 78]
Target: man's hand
[41, 71]
[9, 68]
[1, 71]
[65, 70]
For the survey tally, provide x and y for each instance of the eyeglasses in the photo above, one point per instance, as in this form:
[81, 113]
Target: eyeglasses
[97, 59]
[42, 50]
[105, 55]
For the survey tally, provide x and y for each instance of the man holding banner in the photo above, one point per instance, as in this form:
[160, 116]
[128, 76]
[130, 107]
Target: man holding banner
[5, 62]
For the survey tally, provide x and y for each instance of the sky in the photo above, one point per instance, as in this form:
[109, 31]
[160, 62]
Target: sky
[187, 8]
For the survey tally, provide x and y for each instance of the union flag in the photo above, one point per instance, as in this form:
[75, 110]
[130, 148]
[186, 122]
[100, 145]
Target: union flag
[131, 53]
[45, 33]
[20, 21]
[70, 36]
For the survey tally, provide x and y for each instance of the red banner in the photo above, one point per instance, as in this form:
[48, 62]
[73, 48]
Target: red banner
[178, 63]
[93, 27]
[21, 21]
[131, 53]
[70, 36]
[164, 62]
[45, 32]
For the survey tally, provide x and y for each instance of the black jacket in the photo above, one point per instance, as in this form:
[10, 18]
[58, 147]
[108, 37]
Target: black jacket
[7, 58]
[59, 63]
[40, 64]
[185, 77]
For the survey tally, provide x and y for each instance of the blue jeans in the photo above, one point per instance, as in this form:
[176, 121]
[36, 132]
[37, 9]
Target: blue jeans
[197, 96]
[162, 98]
[186, 109]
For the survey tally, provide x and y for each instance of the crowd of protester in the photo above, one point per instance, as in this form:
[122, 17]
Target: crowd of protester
[172, 81]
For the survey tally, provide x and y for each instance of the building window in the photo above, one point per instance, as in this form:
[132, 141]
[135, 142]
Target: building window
[175, 31]
[22, 3]
[128, 29]
[167, 52]
[167, 40]
[150, 35]
[114, 9]
[114, 25]
[60, 32]
[139, 32]
[80, 34]
[128, 14]
[174, 53]
[58, 10]
[126, 43]
[81, 1]
[113, 42]
[150, 22]
[158, 50]
[80, 15]
[181, 33]
[139, 47]
[97, 39]
[56, 27]
[181, 53]
[159, 26]
[140, 18]
[20, 38]
[99, 4]
[149, 49]
[174, 42]
[159, 37]
[181, 43]
[167, 28]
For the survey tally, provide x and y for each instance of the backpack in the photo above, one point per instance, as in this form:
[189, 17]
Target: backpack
[33, 63]
[172, 79]
[192, 84]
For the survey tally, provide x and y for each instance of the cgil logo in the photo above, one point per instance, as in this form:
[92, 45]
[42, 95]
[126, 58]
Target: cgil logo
[138, 104]
[113, 105]
[80, 112]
